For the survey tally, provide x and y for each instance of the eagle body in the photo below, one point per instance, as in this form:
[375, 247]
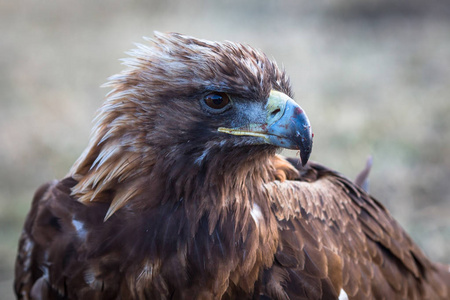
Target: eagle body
[180, 195]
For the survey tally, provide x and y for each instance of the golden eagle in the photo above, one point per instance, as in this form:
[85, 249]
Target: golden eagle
[180, 195]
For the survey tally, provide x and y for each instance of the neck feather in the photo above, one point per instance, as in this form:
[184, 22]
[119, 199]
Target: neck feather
[112, 172]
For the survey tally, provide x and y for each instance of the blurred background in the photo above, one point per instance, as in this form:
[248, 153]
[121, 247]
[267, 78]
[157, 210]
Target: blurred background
[373, 76]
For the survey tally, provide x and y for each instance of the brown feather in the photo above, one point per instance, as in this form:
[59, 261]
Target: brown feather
[160, 205]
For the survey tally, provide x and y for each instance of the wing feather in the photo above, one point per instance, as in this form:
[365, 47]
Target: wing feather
[347, 237]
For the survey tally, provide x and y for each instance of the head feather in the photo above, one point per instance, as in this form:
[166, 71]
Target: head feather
[127, 141]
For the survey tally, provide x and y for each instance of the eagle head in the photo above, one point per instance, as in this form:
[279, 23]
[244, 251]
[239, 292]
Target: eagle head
[181, 103]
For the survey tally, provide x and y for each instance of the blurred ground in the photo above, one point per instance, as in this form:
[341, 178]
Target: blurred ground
[373, 76]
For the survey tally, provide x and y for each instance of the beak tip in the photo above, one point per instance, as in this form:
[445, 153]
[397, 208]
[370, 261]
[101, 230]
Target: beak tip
[306, 149]
[304, 156]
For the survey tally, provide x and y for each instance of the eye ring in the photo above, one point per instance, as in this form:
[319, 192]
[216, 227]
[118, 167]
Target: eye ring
[217, 100]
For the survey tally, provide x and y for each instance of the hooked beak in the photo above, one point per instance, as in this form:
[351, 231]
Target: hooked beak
[286, 125]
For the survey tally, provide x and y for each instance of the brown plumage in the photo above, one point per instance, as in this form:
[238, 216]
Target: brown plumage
[180, 195]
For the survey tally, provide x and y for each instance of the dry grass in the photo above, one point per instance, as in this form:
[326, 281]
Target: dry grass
[374, 79]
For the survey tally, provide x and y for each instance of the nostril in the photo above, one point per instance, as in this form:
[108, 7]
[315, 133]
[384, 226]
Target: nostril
[275, 112]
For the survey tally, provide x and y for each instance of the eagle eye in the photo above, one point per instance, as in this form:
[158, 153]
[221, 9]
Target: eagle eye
[217, 101]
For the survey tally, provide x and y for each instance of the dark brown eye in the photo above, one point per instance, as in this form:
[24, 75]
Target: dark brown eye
[217, 100]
